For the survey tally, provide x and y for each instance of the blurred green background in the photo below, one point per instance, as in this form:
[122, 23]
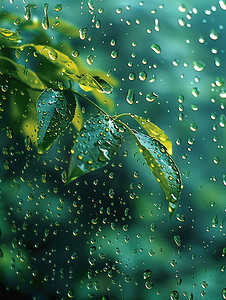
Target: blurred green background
[108, 234]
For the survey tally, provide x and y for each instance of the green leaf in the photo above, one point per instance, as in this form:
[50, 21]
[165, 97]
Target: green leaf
[162, 166]
[155, 132]
[20, 72]
[98, 141]
[56, 110]
[88, 83]
[8, 37]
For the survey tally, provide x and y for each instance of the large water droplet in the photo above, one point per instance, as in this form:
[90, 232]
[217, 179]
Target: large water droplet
[89, 59]
[114, 54]
[195, 92]
[177, 240]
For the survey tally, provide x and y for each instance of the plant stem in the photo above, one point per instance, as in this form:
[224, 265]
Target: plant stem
[121, 115]
[91, 102]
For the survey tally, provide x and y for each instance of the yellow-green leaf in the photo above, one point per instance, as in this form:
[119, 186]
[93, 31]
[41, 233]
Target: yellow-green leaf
[155, 132]
[88, 83]
[8, 37]
[60, 59]
[20, 72]
[162, 166]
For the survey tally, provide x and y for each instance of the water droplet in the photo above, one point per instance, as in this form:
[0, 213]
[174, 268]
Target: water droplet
[198, 65]
[58, 7]
[64, 176]
[142, 75]
[150, 97]
[177, 240]
[130, 96]
[114, 54]
[9, 133]
[214, 221]
[97, 24]
[195, 92]
[223, 292]
[214, 34]
[82, 33]
[174, 295]
[45, 20]
[217, 61]
[156, 48]
[27, 143]
[27, 15]
[149, 284]
[157, 26]
[70, 293]
[75, 53]
[224, 179]
[147, 274]
[90, 4]
[152, 79]
[132, 76]
[17, 21]
[216, 160]
[180, 217]
[222, 120]
[222, 93]
[89, 59]
[222, 4]
[193, 126]
[204, 284]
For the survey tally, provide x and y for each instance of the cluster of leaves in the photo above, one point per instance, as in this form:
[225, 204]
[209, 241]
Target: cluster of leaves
[99, 139]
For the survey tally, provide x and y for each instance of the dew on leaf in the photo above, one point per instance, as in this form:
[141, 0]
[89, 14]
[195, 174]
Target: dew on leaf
[174, 295]
[180, 217]
[214, 221]
[193, 126]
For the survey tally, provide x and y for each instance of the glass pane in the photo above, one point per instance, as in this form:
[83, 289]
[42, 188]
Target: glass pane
[112, 151]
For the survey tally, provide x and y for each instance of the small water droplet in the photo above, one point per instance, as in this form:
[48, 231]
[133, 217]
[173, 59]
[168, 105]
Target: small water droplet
[156, 48]
[214, 221]
[58, 7]
[180, 217]
[90, 4]
[142, 75]
[223, 292]
[147, 274]
[89, 59]
[150, 97]
[222, 120]
[198, 65]
[130, 96]
[193, 126]
[177, 240]
[174, 295]
[114, 54]
[149, 284]
[214, 34]
[195, 92]
[97, 24]
[17, 21]
[75, 53]
[82, 33]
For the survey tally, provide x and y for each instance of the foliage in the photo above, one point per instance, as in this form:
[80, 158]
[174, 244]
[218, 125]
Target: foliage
[99, 139]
